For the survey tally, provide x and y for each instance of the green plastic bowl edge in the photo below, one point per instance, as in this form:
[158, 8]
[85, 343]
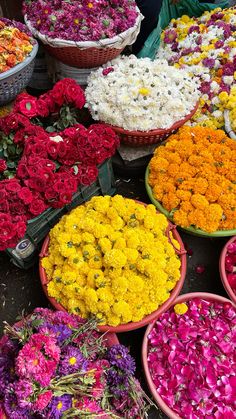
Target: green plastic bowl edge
[191, 230]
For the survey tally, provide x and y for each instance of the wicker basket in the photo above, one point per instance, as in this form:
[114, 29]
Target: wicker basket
[141, 138]
[13, 81]
[88, 54]
[39, 227]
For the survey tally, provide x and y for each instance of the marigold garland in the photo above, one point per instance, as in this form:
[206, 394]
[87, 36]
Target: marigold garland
[194, 177]
[111, 258]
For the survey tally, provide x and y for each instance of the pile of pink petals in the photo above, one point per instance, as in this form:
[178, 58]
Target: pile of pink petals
[192, 360]
[230, 265]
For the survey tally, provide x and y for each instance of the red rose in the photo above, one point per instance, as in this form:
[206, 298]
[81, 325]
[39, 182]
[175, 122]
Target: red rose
[48, 100]
[20, 229]
[7, 231]
[4, 217]
[59, 186]
[37, 183]
[37, 207]
[3, 195]
[89, 175]
[52, 147]
[51, 194]
[42, 108]
[57, 94]
[11, 122]
[19, 136]
[17, 208]
[62, 149]
[65, 198]
[4, 206]
[28, 107]
[25, 195]
[22, 171]
[12, 185]
[3, 165]
[75, 95]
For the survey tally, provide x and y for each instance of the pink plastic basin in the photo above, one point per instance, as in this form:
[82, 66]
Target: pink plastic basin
[223, 275]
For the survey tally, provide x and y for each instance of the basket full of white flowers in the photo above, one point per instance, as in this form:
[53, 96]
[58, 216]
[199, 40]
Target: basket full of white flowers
[144, 101]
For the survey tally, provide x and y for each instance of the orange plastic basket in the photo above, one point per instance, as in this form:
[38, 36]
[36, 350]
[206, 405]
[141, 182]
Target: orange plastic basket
[83, 58]
[141, 138]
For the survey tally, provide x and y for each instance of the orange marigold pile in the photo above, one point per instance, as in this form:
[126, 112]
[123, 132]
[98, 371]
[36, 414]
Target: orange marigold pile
[193, 176]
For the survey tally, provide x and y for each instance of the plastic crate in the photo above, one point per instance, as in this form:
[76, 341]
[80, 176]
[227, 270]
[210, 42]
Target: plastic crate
[40, 226]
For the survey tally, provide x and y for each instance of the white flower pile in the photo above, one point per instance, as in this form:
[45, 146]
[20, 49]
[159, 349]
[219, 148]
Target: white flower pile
[140, 94]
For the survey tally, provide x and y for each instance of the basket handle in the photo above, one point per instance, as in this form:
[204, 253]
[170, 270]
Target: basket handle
[172, 228]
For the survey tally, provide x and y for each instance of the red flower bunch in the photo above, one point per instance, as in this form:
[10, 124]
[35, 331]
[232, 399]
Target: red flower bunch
[52, 165]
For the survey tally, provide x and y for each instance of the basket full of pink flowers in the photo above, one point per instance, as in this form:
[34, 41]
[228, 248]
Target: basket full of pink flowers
[83, 34]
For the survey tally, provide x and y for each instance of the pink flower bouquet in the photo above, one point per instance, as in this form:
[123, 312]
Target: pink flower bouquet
[55, 365]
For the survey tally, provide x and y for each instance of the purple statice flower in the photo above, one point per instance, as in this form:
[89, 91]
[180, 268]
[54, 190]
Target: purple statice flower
[11, 406]
[208, 62]
[59, 405]
[72, 361]
[119, 357]
[23, 390]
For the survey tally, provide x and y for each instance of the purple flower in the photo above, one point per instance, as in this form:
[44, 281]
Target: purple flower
[72, 361]
[194, 28]
[228, 69]
[119, 357]
[219, 44]
[208, 62]
[11, 406]
[170, 36]
[59, 405]
[23, 390]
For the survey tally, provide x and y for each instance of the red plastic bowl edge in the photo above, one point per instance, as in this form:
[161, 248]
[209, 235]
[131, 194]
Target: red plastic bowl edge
[223, 276]
[129, 326]
[182, 298]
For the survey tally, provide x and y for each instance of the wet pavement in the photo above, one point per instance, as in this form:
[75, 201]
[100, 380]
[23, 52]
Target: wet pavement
[20, 291]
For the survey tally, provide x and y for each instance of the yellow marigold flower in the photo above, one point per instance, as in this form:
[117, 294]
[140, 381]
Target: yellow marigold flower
[119, 285]
[181, 308]
[115, 258]
[120, 243]
[105, 294]
[144, 91]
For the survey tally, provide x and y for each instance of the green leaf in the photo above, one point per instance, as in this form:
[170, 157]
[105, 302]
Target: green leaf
[5, 153]
[50, 129]
[5, 146]
[11, 164]
[11, 149]
[28, 106]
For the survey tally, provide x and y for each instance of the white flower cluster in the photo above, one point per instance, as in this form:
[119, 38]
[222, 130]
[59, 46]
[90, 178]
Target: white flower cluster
[140, 94]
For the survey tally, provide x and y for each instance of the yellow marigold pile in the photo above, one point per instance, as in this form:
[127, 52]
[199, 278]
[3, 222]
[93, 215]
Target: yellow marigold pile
[111, 258]
[193, 176]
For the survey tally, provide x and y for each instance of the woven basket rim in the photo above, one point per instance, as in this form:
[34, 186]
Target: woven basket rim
[157, 131]
[103, 43]
[192, 230]
[18, 67]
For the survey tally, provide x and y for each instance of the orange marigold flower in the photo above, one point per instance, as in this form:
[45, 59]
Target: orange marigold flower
[186, 206]
[213, 192]
[183, 195]
[181, 218]
[200, 185]
[199, 201]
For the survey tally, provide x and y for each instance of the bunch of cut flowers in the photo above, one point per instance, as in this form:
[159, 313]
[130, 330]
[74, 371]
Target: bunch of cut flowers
[56, 365]
[42, 168]
[81, 21]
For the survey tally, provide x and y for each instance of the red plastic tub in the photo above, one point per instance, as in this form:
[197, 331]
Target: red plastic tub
[181, 299]
[223, 275]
